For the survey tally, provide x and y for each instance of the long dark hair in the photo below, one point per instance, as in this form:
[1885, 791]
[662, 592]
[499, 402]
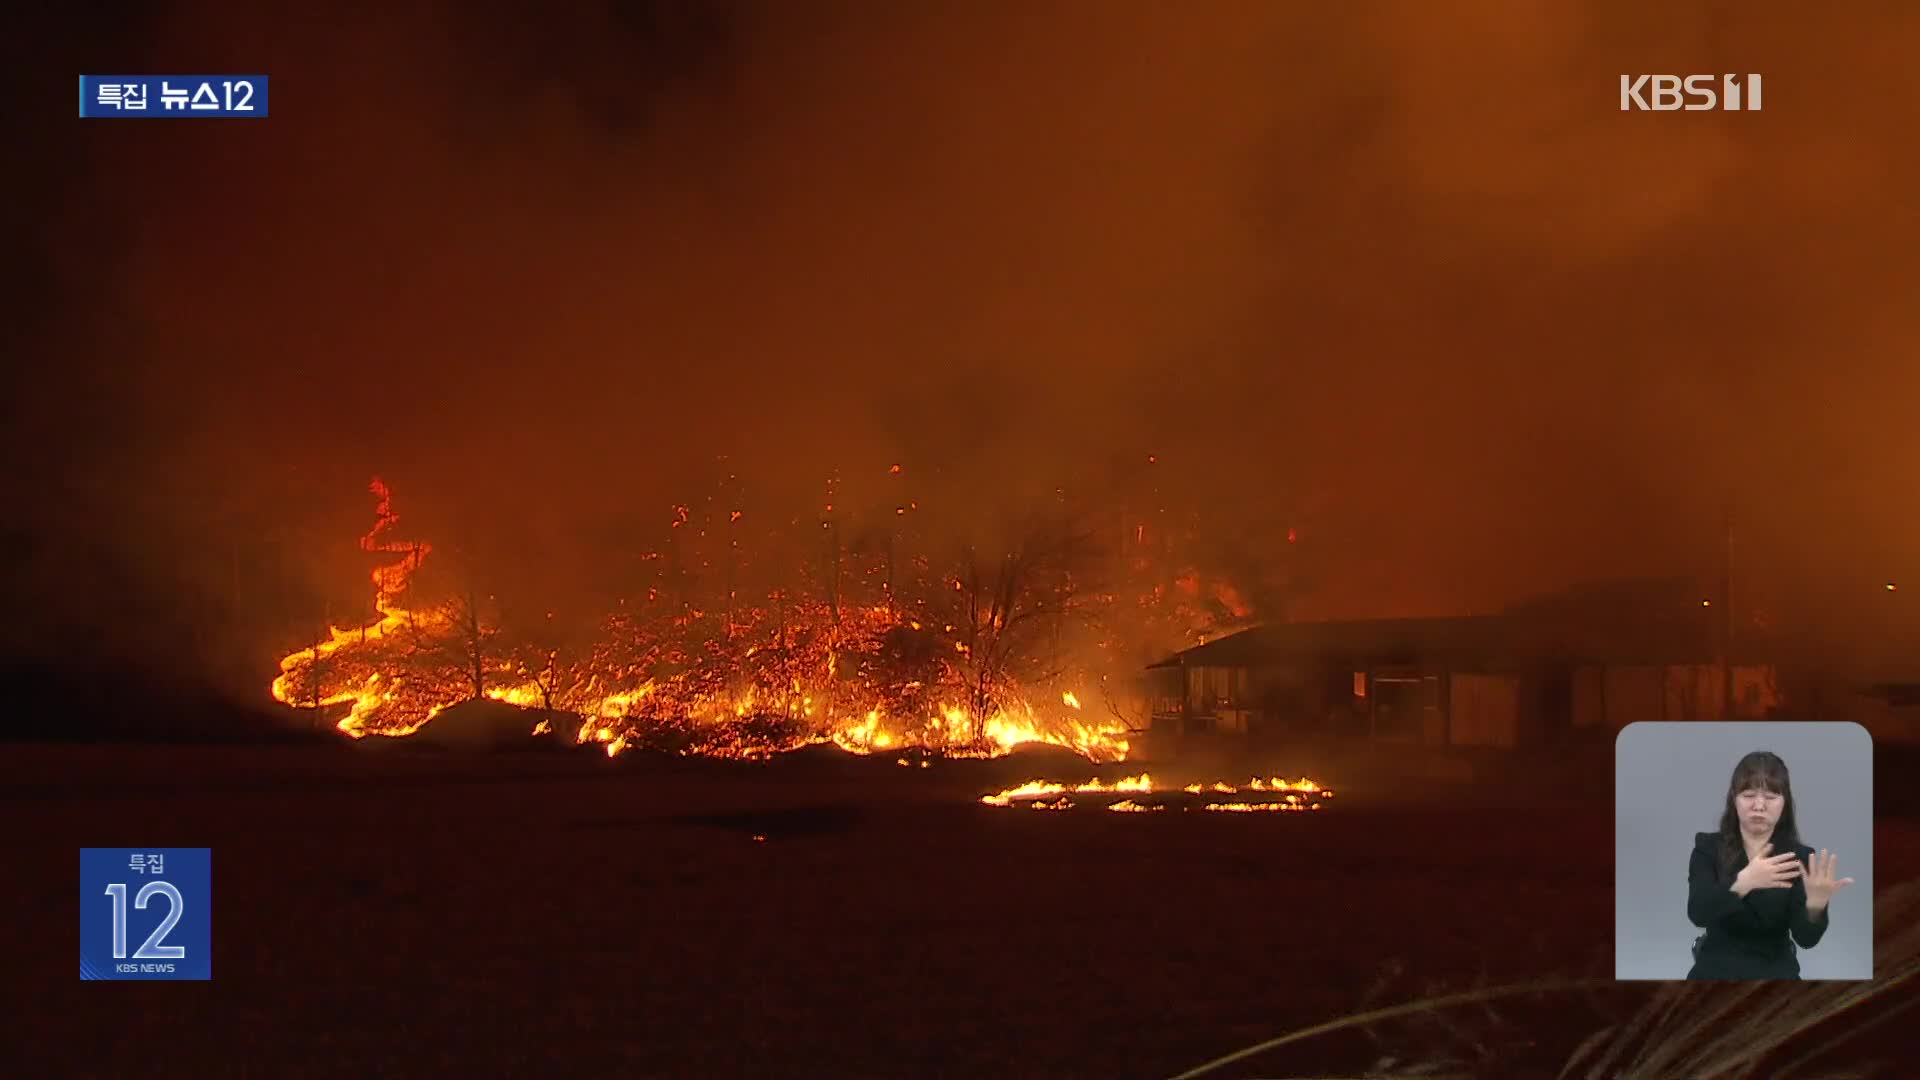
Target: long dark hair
[1764, 770]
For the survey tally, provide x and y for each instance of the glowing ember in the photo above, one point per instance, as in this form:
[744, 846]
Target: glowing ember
[1259, 807]
[1281, 795]
[1257, 784]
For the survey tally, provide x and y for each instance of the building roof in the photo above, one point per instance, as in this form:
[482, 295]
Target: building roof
[1468, 639]
[1452, 636]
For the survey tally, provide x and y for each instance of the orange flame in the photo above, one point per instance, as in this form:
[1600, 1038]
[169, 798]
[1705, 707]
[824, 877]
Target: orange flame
[1142, 783]
[383, 672]
[1293, 795]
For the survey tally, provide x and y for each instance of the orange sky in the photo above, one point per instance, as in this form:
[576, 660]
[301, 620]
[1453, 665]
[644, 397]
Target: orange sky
[1401, 270]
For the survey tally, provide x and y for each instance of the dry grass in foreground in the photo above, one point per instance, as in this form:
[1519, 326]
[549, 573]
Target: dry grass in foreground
[1648, 1031]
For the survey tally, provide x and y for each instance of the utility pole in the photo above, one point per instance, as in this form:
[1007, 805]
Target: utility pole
[1726, 620]
[733, 548]
[831, 524]
[893, 542]
[238, 608]
[833, 567]
[326, 634]
[676, 594]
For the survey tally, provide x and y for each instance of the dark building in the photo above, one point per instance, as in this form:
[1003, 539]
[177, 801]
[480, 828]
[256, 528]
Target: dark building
[1580, 664]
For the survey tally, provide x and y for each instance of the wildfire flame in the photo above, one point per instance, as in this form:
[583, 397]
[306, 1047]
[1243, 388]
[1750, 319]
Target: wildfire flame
[1274, 784]
[1142, 783]
[1250, 808]
[792, 678]
[1293, 795]
[375, 692]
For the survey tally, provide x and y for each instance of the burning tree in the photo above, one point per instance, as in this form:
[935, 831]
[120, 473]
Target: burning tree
[1010, 609]
[461, 636]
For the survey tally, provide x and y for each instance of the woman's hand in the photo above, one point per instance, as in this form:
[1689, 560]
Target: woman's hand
[1821, 884]
[1769, 872]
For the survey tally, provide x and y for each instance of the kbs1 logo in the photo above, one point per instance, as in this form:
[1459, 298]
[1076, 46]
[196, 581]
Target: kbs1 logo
[1694, 93]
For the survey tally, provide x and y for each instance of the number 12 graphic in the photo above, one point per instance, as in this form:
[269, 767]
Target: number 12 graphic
[149, 949]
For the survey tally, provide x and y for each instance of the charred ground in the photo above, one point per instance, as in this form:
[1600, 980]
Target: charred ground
[820, 914]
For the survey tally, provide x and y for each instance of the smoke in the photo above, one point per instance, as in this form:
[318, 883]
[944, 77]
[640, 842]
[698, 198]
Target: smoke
[1401, 275]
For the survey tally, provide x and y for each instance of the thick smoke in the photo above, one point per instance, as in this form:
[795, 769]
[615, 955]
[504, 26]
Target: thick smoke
[1402, 277]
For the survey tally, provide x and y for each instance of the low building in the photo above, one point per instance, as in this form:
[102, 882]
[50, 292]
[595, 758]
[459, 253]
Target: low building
[1564, 669]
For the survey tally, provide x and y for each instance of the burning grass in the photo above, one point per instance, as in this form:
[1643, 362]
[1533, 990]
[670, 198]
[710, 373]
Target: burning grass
[749, 682]
[1135, 794]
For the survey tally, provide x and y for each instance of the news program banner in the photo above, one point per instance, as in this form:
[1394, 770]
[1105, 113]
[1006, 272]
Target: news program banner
[172, 96]
[146, 913]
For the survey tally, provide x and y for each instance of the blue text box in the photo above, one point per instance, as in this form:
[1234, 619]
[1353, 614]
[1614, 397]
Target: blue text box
[174, 97]
[146, 913]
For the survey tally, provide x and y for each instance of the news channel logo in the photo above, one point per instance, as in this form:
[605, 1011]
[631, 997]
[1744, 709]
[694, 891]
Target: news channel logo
[146, 913]
[172, 96]
[1693, 93]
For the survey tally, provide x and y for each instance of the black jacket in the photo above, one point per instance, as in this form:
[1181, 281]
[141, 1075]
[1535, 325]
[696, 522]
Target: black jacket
[1751, 936]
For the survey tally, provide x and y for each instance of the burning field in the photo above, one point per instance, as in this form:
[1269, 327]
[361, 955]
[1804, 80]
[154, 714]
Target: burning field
[1140, 795]
[893, 651]
[692, 539]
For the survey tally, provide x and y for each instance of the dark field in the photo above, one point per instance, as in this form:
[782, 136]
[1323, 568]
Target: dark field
[401, 913]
